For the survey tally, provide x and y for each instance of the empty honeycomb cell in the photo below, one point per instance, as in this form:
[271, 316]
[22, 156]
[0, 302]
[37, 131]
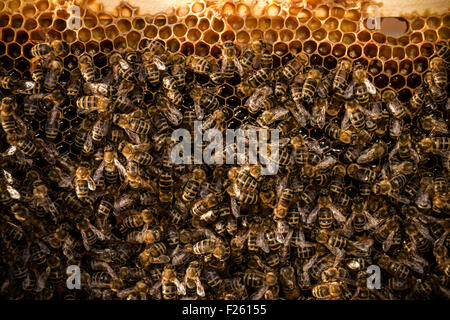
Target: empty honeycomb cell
[322, 12]
[62, 14]
[251, 22]
[138, 23]
[314, 24]
[133, 39]
[330, 62]
[444, 33]
[235, 22]
[403, 41]
[120, 43]
[216, 52]
[404, 95]
[348, 38]
[149, 32]
[194, 34]
[339, 50]
[335, 36]
[59, 24]
[280, 48]
[286, 35]
[390, 67]
[412, 51]
[291, 23]
[100, 60]
[30, 24]
[264, 23]
[316, 60]
[13, 5]
[21, 37]
[201, 49]
[319, 34]
[430, 35]
[173, 45]
[13, 50]
[182, 10]
[381, 81]
[385, 52]
[391, 41]
[124, 25]
[112, 32]
[295, 47]
[7, 35]
[4, 20]
[420, 64]
[16, 21]
[53, 35]
[90, 21]
[375, 67]
[26, 50]
[228, 36]
[106, 46]
[218, 25]
[6, 62]
[433, 22]
[348, 26]
[331, 24]
[84, 35]
[45, 20]
[354, 51]
[309, 46]
[179, 30]
[37, 35]
[166, 32]
[160, 21]
[426, 49]
[302, 33]
[2, 6]
[277, 23]
[241, 37]
[405, 67]
[397, 82]
[191, 21]
[105, 19]
[416, 37]
[417, 24]
[203, 24]
[379, 37]
[70, 62]
[210, 36]
[324, 48]
[256, 34]
[98, 34]
[398, 53]
[273, 10]
[42, 5]
[198, 7]
[228, 9]
[270, 36]
[243, 10]
[393, 26]
[77, 48]
[22, 64]
[371, 50]
[304, 15]
[187, 48]
[414, 80]
[69, 36]
[2, 48]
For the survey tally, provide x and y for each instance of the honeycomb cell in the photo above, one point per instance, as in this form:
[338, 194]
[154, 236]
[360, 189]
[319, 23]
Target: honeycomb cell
[314, 24]
[98, 34]
[286, 35]
[77, 48]
[6, 62]
[21, 37]
[381, 81]
[348, 26]
[69, 36]
[2, 48]
[426, 49]
[42, 5]
[414, 80]
[371, 50]
[406, 67]
[105, 19]
[45, 20]
[70, 62]
[26, 50]
[120, 43]
[218, 25]
[92, 48]
[335, 36]
[228, 36]
[173, 45]
[256, 35]
[390, 68]
[302, 33]
[433, 22]
[84, 35]
[412, 51]
[187, 48]
[53, 35]
[37, 35]
[324, 48]
[403, 41]
[182, 10]
[149, 32]
[30, 24]
[13, 5]
[280, 49]
[28, 11]
[420, 64]
[191, 21]
[273, 10]
[398, 53]
[243, 10]
[291, 23]
[331, 24]
[22, 64]
[404, 95]
[251, 22]
[354, 15]
[304, 15]
[203, 24]
[59, 24]
[106, 46]
[201, 49]
[348, 38]
[354, 51]
[198, 7]
[193, 35]
[179, 30]
[160, 21]
[330, 62]
[385, 52]
[16, 21]
[112, 32]
[8, 35]
[227, 91]
[228, 9]
[309, 46]
[90, 21]
[270, 36]
[319, 34]
[264, 23]
[295, 47]
[444, 33]
[375, 67]
[379, 37]
[417, 24]
[216, 52]
[416, 37]
[235, 22]
[13, 50]
[100, 60]
[430, 35]
[316, 60]
[339, 50]
[337, 12]
[138, 23]
[241, 37]
[166, 33]
[277, 23]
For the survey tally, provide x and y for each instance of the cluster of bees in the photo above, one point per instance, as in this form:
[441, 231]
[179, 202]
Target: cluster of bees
[373, 192]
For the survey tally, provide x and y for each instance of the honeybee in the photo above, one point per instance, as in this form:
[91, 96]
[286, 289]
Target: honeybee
[353, 116]
[121, 68]
[394, 106]
[8, 117]
[309, 88]
[363, 174]
[41, 50]
[22, 144]
[252, 55]
[83, 182]
[8, 83]
[192, 187]
[132, 125]
[360, 219]
[325, 202]
[386, 232]
[438, 68]
[417, 100]
[198, 64]
[376, 151]
[54, 72]
[230, 61]
[204, 99]
[335, 132]
[88, 104]
[341, 76]
[438, 95]
[109, 166]
[172, 114]
[294, 66]
[192, 277]
[262, 281]
[178, 70]
[259, 77]
[435, 144]
[360, 88]
[7, 186]
[52, 124]
[259, 100]
[89, 233]
[394, 267]
[37, 71]
[87, 68]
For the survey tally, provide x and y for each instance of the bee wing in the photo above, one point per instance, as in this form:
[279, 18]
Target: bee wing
[399, 197]
[120, 168]
[155, 287]
[91, 184]
[388, 242]
[200, 289]
[349, 91]
[162, 259]
[326, 163]
[288, 238]
[313, 215]
[13, 192]
[235, 208]
[238, 65]
[67, 181]
[261, 242]
[345, 124]
[259, 294]
[97, 232]
[159, 63]
[198, 110]
[319, 113]
[99, 171]
[348, 229]
[88, 145]
[281, 185]
[371, 221]
[10, 151]
[337, 213]
[370, 87]
[85, 240]
[180, 287]
[41, 279]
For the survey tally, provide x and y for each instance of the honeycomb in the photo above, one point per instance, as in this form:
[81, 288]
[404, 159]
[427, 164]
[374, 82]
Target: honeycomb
[395, 56]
